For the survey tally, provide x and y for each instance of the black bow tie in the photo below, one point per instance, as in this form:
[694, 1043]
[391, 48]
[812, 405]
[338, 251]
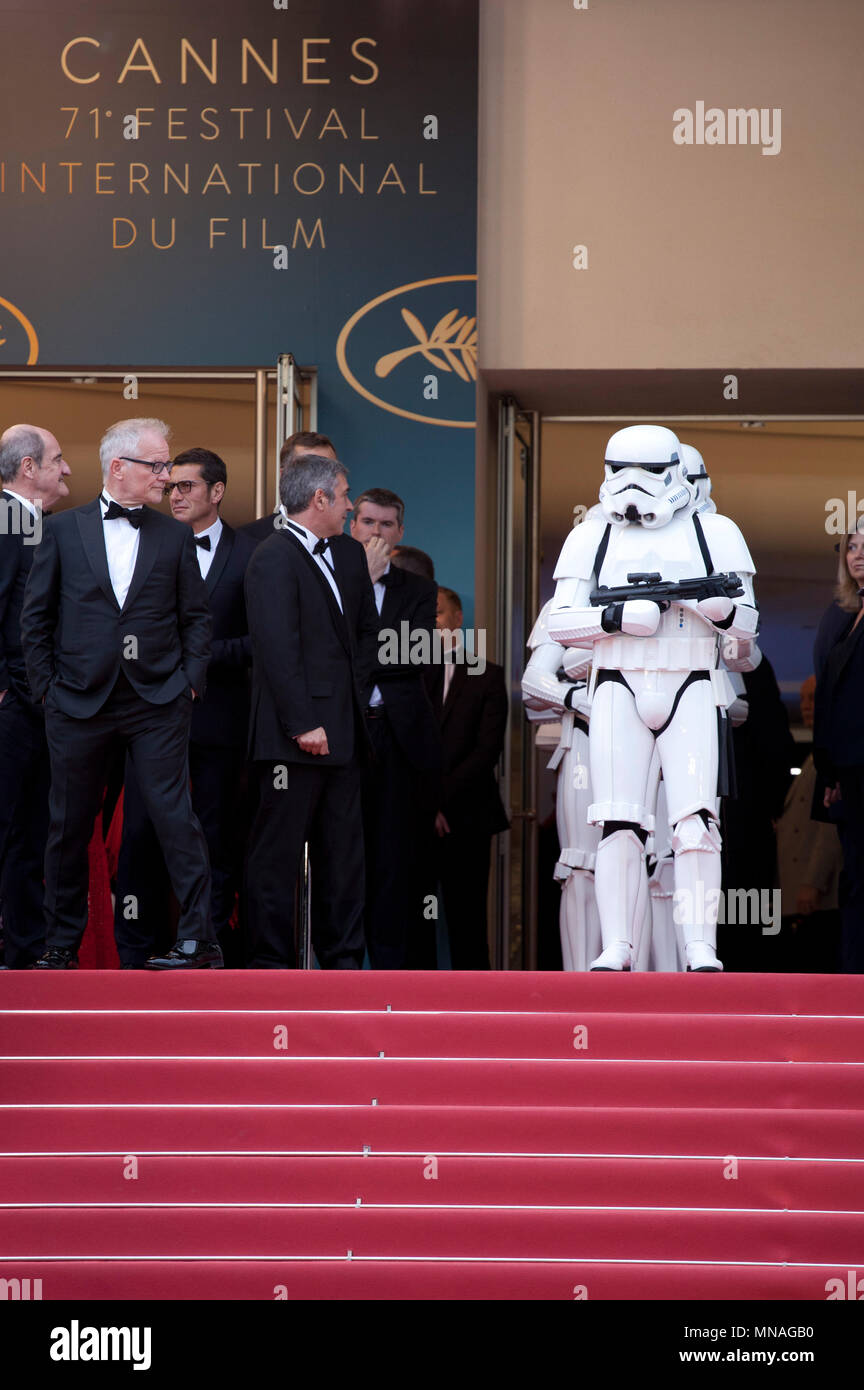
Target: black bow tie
[387, 579]
[320, 546]
[203, 541]
[115, 510]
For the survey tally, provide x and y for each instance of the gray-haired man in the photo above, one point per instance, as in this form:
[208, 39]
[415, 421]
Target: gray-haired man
[116, 634]
[314, 630]
[33, 475]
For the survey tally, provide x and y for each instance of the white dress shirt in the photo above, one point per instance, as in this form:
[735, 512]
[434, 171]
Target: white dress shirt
[25, 501]
[121, 547]
[451, 660]
[376, 698]
[205, 557]
[324, 560]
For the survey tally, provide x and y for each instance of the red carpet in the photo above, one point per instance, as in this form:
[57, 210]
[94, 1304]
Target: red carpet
[363, 1135]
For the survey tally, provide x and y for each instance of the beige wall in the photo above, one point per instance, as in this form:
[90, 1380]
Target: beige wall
[218, 416]
[698, 256]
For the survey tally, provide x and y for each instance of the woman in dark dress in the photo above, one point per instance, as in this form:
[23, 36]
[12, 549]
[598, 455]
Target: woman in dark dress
[838, 735]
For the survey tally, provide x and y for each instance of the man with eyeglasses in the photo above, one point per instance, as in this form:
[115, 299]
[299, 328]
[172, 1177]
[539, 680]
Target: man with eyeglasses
[220, 723]
[116, 635]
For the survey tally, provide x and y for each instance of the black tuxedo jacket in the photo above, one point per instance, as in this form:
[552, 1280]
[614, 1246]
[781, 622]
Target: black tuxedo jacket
[473, 726]
[410, 599]
[75, 634]
[262, 529]
[312, 664]
[221, 719]
[15, 561]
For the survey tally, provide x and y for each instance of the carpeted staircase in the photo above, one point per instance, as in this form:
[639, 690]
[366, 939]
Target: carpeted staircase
[261, 1135]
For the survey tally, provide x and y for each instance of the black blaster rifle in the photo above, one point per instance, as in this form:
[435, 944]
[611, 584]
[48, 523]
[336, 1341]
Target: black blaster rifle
[664, 592]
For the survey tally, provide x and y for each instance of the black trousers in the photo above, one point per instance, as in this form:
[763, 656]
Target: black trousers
[321, 805]
[156, 738]
[24, 781]
[463, 872]
[142, 877]
[398, 821]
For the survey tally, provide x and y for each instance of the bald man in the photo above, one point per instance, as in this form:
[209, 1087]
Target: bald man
[33, 474]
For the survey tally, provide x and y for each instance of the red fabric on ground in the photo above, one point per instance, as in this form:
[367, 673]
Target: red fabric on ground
[704, 1139]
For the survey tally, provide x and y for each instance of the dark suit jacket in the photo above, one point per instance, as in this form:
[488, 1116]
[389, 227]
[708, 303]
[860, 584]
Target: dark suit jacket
[76, 635]
[473, 726]
[221, 719]
[312, 664]
[838, 730]
[15, 561]
[260, 530]
[409, 599]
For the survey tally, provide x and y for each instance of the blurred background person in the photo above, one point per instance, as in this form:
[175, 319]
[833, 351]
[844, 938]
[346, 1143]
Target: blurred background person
[838, 737]
[33, 474]
[218, 733]
[473, 714]
[400, 783]
[297, 445]
[764, 754]
[809, 861]
[410, 557]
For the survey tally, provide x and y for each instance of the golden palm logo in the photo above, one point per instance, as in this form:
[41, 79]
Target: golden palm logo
[451, 346]
[11, 311]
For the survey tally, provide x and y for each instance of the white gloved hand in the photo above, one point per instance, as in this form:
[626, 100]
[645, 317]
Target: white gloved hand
[737, 712]
[640, 617]
[716, 610]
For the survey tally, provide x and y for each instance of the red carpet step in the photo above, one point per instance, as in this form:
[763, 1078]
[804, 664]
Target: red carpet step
[374, 1135]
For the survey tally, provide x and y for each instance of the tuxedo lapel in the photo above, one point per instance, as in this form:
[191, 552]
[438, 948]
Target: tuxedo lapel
[220, 559]
[89, 519]
[148, 549]
[335, 611]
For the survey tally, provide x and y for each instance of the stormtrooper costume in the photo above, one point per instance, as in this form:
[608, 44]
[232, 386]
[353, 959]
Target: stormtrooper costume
[657, 682]
[544, 692]
[667, 945]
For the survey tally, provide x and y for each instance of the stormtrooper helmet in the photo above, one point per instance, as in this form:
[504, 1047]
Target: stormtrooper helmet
[697, 474]
[646, 478]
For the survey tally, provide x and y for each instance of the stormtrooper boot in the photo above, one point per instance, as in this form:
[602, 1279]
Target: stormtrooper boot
[621, 886]
[697, 890]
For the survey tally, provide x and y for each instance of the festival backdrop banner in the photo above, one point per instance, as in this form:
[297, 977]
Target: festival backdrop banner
[214, 184]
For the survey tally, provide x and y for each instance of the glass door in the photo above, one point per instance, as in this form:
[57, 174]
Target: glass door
[518, 587]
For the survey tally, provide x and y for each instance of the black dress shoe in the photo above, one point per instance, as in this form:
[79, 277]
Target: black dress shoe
[189, 954]
[56, 958]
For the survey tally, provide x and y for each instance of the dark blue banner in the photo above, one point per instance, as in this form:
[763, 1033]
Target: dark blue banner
[214, 184]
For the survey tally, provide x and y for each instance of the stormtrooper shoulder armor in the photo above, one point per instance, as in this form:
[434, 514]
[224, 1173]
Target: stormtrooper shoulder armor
[727, 545]
[579, 551]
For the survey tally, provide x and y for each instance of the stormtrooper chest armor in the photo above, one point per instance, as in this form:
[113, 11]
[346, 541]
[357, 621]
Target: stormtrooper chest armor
[684, 641]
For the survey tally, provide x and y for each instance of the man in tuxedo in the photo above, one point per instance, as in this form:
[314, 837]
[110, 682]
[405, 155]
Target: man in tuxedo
[400, 783]
[219, 729]
[314, 633]
[116, 636]
[473, 714]
[33, 473]
[297, 445]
